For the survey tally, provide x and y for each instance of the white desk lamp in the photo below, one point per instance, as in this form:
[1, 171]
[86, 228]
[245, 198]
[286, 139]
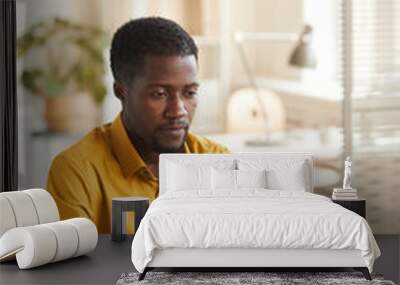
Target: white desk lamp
[302, 56]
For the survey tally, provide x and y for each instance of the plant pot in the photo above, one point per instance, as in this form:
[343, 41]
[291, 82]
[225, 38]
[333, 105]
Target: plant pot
[71, 113]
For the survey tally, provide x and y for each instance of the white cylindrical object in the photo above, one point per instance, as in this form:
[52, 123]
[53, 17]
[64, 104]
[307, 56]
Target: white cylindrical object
[23, 207]
[33, 246]
[45, 205]
[7, 217]
[40, 244]
[40, 247]
[87, 234]
[67, 240]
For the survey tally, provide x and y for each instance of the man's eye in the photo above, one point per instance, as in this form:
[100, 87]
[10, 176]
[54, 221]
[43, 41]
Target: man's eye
[159, 94]
[191, 93]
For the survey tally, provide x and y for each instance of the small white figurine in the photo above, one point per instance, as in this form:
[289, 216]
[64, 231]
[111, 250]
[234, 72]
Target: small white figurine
[347, 174]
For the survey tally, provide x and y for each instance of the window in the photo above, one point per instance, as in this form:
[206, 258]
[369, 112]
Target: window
[372, 105]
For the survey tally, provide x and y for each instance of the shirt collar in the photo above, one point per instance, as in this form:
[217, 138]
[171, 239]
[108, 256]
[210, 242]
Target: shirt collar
[186, 147]
[127, 156]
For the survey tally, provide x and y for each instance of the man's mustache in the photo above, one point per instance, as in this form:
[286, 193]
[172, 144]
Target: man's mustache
[174, 124]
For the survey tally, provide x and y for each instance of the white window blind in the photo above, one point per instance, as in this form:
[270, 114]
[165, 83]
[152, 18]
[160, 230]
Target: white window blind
[371, 87]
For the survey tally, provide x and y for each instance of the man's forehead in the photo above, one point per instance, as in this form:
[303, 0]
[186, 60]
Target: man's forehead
[158, 67]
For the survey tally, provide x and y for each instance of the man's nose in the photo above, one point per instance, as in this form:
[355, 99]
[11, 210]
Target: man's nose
[176, 107]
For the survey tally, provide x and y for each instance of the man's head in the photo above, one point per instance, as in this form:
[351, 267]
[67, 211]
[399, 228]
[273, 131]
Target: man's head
[154, 63]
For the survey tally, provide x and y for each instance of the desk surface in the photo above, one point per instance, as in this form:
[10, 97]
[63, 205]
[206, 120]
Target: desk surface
[111, 259]
[325, 148]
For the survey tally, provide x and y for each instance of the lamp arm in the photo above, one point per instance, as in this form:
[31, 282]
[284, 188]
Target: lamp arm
[250, 76]
[239, 37]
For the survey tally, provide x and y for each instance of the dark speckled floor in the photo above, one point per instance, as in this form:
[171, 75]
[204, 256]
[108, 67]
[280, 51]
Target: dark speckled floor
[250, 278]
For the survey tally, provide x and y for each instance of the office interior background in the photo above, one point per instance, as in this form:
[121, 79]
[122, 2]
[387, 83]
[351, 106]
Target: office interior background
[345, 102]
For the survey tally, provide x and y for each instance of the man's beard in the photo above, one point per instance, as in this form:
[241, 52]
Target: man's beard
[160, 145]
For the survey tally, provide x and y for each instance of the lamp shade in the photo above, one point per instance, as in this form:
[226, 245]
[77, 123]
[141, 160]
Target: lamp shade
[303, 54]
[244, 111]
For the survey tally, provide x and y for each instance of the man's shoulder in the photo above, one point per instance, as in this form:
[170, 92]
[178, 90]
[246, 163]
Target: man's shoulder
[91, 147]
[201, 144]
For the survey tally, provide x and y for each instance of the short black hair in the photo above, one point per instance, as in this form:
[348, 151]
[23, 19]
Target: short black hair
[147, 36]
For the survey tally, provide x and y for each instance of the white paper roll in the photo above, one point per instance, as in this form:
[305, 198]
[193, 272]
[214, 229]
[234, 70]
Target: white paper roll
[87, 234]
[34, 246]
[67, 239]
[7, 218]
[45, 205]
[24, 210]
[40, 244]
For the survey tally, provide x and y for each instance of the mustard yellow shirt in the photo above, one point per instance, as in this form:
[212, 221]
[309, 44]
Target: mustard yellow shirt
[104, 164]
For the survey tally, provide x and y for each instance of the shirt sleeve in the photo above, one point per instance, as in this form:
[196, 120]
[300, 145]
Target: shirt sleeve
[213, 147]
[202, 144]
[66, 183]
[223, 149]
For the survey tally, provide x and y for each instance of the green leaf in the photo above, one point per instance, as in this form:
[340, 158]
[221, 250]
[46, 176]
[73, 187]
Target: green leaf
[54, 85]
[85, 72]
[30, 80]
[100, 93]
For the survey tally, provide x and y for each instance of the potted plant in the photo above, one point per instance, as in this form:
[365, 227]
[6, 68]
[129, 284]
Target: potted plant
[70, 76]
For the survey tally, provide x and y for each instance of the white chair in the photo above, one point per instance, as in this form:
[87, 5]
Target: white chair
[31, 230]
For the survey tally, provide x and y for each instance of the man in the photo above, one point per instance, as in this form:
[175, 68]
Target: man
[154, 64]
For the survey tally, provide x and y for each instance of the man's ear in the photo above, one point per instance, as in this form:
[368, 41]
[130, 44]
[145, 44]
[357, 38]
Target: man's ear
[120, 91]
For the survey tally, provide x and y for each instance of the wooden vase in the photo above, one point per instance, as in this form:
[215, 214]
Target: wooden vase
[71, 113]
